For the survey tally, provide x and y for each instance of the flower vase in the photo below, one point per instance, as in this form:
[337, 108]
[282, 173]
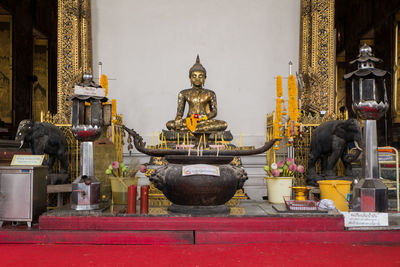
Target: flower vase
[278, 188]
[119, 187]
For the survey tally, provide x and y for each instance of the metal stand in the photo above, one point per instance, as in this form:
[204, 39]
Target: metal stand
[86, 188]
[370, 194]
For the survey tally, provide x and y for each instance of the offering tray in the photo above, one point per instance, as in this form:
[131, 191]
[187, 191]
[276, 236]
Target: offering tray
[301, 205]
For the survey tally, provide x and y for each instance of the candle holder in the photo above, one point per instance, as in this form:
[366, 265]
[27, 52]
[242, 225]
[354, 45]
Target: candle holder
[89, 115]
[370, 104]
[301, 192]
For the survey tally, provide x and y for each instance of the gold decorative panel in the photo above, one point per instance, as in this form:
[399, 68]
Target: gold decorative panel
[6, 68]
[396, 72]
[74, 51]
[40, 88]
[317, 55]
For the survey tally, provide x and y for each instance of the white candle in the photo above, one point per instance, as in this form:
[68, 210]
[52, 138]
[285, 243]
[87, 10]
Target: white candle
[100, 70]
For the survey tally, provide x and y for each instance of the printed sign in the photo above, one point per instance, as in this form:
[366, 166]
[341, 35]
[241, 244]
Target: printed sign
[92, 91]
[202, 169]
[27, 160]
[357, 219]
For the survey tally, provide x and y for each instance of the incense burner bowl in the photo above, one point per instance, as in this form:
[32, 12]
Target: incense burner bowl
[198, 184]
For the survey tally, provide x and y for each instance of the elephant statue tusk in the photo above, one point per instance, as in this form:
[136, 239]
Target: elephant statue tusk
[22, 143]
[357, 146]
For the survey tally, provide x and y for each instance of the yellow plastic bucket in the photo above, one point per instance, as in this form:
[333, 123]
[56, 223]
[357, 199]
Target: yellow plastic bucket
[278, 188]
[337, 191]
[119, 188]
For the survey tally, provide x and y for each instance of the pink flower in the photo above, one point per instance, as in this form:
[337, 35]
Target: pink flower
[275, 172]
[292, 167]
[300, 169]
[143, 168]
[290, 159]
[281, 164]
[115, 165]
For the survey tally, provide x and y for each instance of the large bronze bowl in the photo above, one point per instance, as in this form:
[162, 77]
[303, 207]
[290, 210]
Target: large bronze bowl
[199, 189]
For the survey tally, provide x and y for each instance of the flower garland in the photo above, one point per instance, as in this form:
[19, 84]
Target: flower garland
[278, 113]
[293, 108]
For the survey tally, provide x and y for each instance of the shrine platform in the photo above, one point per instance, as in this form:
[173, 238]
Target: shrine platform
[250, 222]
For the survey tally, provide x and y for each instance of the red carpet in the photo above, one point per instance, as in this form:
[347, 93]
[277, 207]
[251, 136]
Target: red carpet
[264, 254]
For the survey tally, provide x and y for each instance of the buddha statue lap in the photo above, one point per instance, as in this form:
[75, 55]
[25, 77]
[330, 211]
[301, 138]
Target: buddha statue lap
[202, 105]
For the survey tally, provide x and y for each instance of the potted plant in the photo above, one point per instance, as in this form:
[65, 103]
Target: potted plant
[121, 177]
[280, 178]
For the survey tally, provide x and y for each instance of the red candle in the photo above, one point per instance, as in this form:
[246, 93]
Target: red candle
[144, 199]
[132, 193]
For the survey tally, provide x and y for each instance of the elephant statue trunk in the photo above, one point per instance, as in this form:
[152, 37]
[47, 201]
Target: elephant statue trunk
[24, 131]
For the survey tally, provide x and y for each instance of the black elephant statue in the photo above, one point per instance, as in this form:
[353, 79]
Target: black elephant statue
[329, 142]
[44, 138]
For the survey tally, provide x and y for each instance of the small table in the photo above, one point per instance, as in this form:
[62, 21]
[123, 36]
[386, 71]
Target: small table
[59, 189]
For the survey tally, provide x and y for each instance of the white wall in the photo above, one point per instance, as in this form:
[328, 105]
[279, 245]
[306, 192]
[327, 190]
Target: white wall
[148, 46]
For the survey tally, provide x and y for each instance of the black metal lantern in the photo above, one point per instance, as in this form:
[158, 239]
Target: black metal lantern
[89, 115]
[368, 86]
[370, 104]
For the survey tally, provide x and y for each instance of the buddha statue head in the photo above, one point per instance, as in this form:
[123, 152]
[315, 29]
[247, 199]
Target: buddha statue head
[198, 68]
[197, 74]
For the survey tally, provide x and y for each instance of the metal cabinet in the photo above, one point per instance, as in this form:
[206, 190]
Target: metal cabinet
[391, 156]
[23, 193]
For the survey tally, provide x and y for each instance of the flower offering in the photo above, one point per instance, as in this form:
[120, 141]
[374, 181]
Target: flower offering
[283, 168]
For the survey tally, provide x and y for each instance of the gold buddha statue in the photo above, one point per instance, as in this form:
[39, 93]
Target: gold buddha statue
[201, 101]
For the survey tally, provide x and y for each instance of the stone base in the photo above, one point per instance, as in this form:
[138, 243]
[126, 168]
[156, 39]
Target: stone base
[199, 210]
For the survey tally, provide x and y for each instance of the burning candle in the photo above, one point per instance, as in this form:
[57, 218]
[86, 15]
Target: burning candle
[152, 138]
